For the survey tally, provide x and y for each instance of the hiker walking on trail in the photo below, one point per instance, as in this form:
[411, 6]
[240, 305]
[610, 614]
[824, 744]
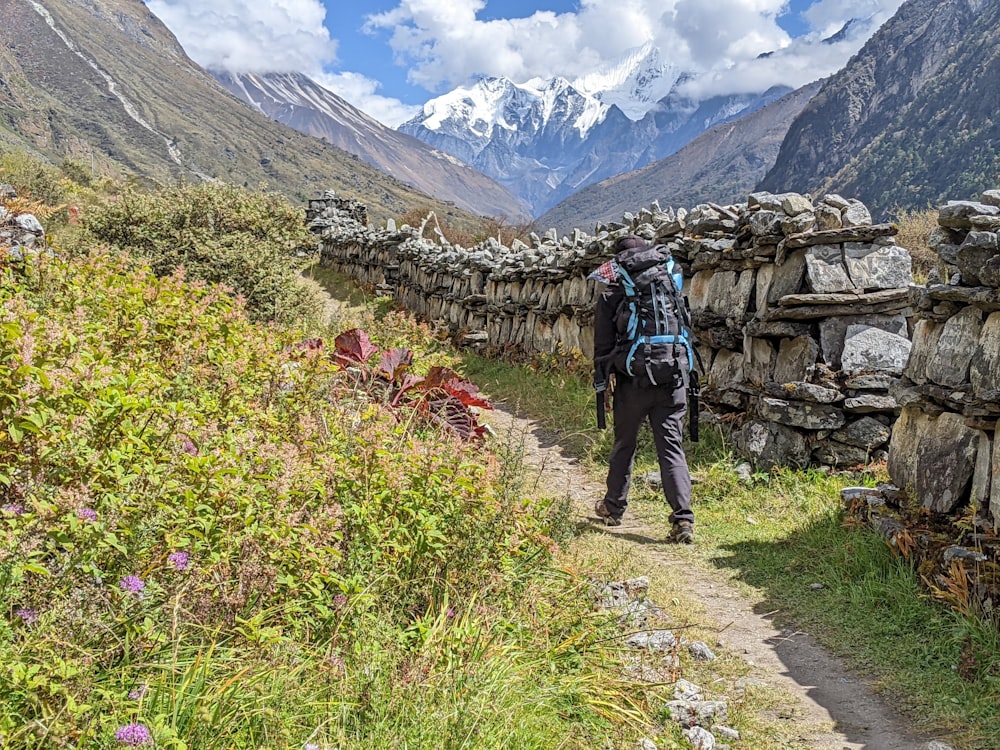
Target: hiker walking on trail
[641, 339]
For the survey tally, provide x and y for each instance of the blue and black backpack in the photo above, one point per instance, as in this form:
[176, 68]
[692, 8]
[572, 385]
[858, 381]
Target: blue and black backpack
[656, 345]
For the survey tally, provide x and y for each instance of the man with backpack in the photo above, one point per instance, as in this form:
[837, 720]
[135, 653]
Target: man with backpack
[642, 337]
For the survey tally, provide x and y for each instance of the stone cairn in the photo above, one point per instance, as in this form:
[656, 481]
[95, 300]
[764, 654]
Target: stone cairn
[21, 233]
[801, 309]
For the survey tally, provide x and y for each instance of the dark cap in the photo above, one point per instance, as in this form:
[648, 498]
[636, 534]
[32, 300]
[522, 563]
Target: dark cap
[628, 242]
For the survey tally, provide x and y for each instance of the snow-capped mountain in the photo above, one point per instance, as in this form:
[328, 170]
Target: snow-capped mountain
[544, 139]
[299, 102]
[634, 84]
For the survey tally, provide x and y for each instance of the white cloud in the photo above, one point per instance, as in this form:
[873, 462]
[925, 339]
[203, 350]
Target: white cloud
[243, 36]
[362, 92]
[827, 16]
[444, 44]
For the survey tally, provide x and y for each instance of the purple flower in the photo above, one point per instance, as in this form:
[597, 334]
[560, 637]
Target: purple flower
[180, 560]
[132, 584]
[339, 601]
[188, 446]
[28, 616]
[13, 508]
[137, 693]
[86, 514]
[134, 735]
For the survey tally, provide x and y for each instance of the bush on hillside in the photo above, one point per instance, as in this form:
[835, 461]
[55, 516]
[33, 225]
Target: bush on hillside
[253, 242]
[32, 178]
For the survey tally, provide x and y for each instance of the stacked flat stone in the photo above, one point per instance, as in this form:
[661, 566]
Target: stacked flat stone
[944, 450]
[801, 310]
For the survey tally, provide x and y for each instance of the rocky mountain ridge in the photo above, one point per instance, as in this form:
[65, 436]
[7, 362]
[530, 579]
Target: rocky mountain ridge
[911, 119]
[105, 82]
[722, 165]
[548, 138]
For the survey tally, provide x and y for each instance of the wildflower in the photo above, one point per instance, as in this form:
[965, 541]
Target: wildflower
[188, 446]
[132, 584]
[28, 616]
[134, 735]
[15, 509]
[450, 613]
[86, 514]
[137, 693]
[339, 601]
[180, 560]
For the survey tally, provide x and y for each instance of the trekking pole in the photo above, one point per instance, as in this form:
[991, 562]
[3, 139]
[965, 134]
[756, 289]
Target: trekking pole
[694, 391]
[601, 389]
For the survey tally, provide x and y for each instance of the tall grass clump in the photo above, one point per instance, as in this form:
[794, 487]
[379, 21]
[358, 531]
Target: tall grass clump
[915, 229]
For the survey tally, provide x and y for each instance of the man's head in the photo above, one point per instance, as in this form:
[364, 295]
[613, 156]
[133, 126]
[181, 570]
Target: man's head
[629, 242]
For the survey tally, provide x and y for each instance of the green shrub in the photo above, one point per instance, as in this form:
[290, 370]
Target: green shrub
[255, 243]
[32, 178]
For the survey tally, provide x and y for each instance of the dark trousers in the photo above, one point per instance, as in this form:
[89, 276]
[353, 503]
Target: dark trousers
[665, 409]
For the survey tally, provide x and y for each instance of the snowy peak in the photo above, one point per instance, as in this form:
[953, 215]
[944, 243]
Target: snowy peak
[634, 84]
[499, 103]
[545, 138]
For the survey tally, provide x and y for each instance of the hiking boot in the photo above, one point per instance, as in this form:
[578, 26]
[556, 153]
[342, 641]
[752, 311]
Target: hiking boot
[682, 533]
[605, 515]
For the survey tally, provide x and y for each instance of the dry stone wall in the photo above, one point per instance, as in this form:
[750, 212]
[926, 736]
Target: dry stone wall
[944, 452]
[801, 308]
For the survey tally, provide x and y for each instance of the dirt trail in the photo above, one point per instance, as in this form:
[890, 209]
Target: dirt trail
[835, 709]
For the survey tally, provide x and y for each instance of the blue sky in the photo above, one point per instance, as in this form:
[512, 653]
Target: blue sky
[388, 57]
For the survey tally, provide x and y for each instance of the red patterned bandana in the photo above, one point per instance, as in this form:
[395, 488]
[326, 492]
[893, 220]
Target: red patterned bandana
[607, 273]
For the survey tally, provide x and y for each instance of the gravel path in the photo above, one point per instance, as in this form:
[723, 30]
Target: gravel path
[834, 707]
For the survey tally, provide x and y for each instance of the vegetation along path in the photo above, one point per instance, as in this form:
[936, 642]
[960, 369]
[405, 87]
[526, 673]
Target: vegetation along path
[829, 706]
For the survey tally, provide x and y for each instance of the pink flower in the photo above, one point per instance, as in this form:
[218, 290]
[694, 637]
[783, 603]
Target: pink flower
[188, 446]
[134, 735]
[132, 584]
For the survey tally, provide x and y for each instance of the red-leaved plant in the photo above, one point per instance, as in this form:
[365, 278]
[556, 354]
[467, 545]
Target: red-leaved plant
[442, 396]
